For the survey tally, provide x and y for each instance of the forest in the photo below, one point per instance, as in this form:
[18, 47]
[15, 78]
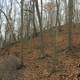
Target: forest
[39, 40]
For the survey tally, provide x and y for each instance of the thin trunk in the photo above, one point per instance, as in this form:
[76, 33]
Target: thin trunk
[41, 32]
[70, 5]
[22, 1]
[35, 31]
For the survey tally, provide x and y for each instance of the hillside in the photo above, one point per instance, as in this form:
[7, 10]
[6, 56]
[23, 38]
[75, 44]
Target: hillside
[63, 66]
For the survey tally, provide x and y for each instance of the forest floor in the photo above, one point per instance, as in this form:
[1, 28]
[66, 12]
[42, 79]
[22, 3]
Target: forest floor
[65, 65]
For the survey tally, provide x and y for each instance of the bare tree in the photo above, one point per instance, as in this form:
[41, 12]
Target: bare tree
[21, 31]
[42, 55]
[35, 30]
[70, 5]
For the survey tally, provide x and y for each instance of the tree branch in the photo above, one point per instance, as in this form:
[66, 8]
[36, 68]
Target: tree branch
[5, 16]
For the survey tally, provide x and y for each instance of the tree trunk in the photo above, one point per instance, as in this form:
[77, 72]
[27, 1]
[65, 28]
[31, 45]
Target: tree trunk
[70, 5]
[41, 32]
[22, 1]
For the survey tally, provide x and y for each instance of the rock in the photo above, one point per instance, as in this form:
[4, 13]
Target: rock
[8, 68]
